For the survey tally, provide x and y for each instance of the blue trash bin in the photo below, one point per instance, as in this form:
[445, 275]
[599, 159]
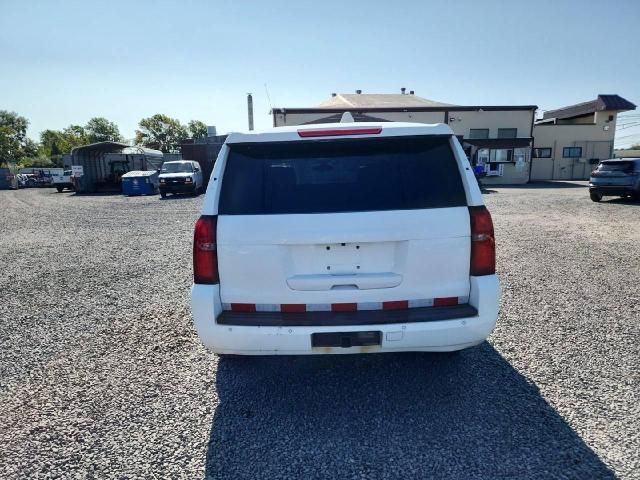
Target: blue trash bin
[140, 183]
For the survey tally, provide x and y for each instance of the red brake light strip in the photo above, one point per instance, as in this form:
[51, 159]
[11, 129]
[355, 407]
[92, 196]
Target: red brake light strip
[345, 307]
[336, 132]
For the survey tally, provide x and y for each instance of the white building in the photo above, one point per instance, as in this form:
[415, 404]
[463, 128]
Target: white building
[498, 137]
[511, 145]
[569, 141]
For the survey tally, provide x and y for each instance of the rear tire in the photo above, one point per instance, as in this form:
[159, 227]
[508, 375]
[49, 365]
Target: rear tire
[59, 189]
[595, 196]
[163, 194]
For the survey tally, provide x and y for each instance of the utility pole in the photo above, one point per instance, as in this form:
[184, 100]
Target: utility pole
[250, 110]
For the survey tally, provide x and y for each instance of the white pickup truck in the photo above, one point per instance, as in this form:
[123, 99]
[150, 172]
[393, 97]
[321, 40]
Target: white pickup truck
[344, 238]
[62, 181]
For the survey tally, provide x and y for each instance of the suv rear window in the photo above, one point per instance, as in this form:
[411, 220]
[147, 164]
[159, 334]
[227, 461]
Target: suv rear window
[615, 166]
[345, 175]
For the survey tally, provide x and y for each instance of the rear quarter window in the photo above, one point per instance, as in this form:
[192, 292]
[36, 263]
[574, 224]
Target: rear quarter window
[341, 175]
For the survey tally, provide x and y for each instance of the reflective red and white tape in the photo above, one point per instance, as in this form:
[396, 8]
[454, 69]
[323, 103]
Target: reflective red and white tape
[344, 307]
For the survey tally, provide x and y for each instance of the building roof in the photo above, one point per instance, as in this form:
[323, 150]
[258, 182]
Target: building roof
[149, 152]
[336, 117]
[394, 102]
[603, 102]
[101, 147]
[368, 100]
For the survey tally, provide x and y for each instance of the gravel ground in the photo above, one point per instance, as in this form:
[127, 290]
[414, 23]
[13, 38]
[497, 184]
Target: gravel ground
[102, 376]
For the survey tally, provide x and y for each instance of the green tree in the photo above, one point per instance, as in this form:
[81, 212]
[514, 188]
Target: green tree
[13, 136]
[55, 143]
[99, 129]
[197, 129]
[39, 160]
[30, 149]
[161, 132]
[58, 142]
[52, 142]
[74, 136]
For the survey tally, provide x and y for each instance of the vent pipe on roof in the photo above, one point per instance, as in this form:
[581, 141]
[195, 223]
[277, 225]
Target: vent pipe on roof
[250, 110]
[403, 90]
[358, 92]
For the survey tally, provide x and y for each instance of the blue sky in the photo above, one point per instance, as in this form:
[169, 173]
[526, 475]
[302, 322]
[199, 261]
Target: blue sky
[64, 62]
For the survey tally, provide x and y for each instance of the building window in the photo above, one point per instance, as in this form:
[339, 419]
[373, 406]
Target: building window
[571, 152]
[494, 169]
[541, 153]
[479, 133]
[507, 133]
[502, 155]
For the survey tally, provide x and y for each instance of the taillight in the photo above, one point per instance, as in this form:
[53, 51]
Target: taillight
[483, 245]
[205, 252]
[336, 132]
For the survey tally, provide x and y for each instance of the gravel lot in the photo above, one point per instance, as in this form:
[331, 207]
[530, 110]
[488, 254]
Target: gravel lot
[102, 376]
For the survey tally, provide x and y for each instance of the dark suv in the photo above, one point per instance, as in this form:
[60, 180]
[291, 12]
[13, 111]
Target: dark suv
[618, 178]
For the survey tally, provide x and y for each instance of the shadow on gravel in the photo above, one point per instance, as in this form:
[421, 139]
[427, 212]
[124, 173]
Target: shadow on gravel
[389, 416]
[180, 196]
[96, 194]
[621, 201]
[549, 184]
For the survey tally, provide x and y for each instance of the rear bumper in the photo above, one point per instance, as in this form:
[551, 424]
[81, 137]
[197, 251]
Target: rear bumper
[332, 319]
[611, 190]
[178, 188]
[398, 335]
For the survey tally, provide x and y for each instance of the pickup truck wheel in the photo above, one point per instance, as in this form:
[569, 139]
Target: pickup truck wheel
[163, 194]
[59, 189]
[595, 196]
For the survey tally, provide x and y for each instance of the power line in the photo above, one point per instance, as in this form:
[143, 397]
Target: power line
[628, 125]
[268, 96]
[629, 136]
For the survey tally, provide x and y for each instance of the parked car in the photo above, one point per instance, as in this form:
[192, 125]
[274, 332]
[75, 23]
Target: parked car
[30, 180]
[183, 176]
[619, 178]
[22, 180]
[343, 238]
[62, 181]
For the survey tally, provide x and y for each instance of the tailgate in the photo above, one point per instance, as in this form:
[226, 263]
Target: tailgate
[319, 260]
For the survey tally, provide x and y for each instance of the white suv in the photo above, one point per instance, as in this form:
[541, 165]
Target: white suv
[343, 238]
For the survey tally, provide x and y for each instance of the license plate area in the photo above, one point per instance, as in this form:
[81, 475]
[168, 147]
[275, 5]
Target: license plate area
[346, 339]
